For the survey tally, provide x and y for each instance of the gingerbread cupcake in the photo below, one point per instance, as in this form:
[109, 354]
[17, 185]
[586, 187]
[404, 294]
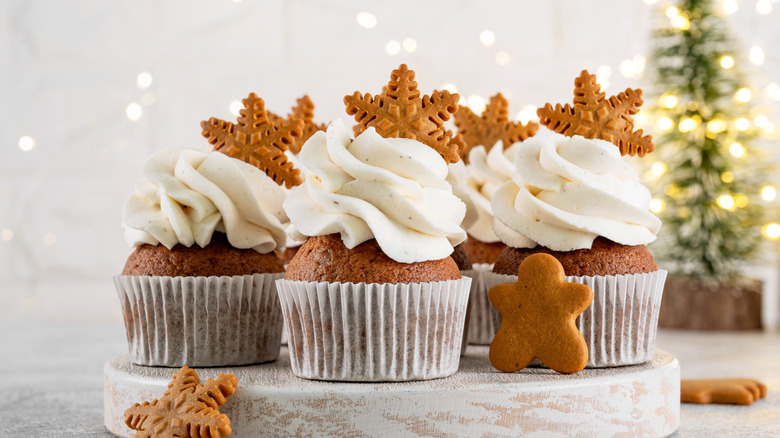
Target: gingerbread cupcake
[490, 143]
[574, 197]
[373, 294]
[199, 289]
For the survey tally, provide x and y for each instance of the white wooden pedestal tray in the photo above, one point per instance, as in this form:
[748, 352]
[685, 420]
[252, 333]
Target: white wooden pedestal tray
[641, 400]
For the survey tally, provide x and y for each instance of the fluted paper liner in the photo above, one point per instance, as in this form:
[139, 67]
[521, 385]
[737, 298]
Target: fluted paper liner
[481, 326]
[374, 332]
[474, 275]
[621, 323]
[201, 321]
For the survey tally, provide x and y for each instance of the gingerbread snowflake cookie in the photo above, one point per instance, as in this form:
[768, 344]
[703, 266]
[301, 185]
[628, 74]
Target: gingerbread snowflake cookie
[400, 112]
[594, 116]
[492, 126]
[187, 409]
[257, 140]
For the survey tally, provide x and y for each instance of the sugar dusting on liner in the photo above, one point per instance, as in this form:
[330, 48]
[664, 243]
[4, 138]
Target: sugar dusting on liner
[481, 326]
[201, 321]
[374, 332]
[620, 325]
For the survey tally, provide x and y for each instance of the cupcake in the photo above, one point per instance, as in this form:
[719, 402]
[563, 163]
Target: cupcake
[491, 140]
[373, 294]
[576, 199]
[199, 288]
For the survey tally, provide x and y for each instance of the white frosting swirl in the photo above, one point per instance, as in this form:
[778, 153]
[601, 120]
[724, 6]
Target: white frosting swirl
[458, 177]
[487, 172]
[393, 190]
[568, 191]
[186, 195]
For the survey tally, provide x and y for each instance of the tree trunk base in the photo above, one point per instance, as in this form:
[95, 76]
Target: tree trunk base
[690, 304]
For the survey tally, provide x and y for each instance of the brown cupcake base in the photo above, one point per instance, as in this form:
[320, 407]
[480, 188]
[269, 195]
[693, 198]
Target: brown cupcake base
[605, 257]
[218, 258]
[482, 252]
[327, 259]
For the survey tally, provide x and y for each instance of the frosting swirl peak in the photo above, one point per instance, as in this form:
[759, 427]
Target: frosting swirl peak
[390, 189]
[186, 195]
[567, 191]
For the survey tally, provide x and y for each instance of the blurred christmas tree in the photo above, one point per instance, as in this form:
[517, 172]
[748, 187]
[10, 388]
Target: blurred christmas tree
[713, 193]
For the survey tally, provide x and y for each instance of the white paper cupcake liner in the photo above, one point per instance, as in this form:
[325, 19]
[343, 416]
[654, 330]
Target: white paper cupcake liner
[374, 332]
[481, 326]
[620, 325]
[474, 275]
[201, 321]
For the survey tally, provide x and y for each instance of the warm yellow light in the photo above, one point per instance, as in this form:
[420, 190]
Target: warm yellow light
[669, 100]
[134, 111]
[672, 12]
[503, 58]
[658, 168]
[768, 193]
[725, 202]
[772, 230]
[665, 123]
[366, 19]
[730, 6]
[756, 55]
[487, 38]
[717, 125]
[527, 114]
[763, 7]
[741, 201]
[26, 143]
[742, 124]
[392, 47]
[687, 124]
[409, 45]
[727, 177]
[760, 120]
[657, 206]
[727, 62]
[773, 91]
[450, 87]
[769, 128]
[604, 71]
[476, 104]
[144, 80]
[681, 22]
[743, 95]
[737, 150]
[672, 190]
[235, 107]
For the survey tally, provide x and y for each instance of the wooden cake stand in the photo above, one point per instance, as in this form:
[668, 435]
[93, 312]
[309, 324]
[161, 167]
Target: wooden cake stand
[641, 400]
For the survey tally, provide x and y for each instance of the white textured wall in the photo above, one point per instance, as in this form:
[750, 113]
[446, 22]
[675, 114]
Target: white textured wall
[68, 71]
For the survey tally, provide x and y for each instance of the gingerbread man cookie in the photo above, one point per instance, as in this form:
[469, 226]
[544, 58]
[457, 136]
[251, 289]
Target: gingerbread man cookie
[538, 318]
[725, 391]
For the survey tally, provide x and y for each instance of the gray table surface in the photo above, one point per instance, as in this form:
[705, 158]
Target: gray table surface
[52, 379]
